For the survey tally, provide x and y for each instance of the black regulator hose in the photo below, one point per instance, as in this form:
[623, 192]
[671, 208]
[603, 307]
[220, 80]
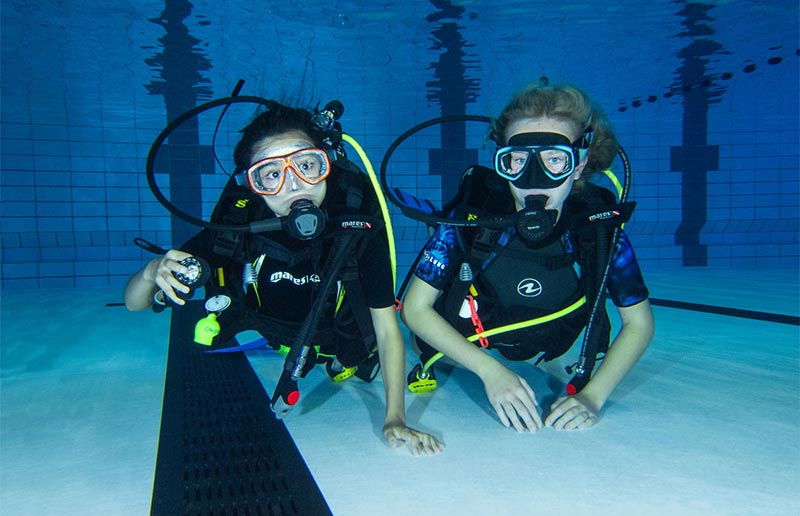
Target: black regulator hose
[588, 355]
[410, 212]
[271, 225]
[286, 392]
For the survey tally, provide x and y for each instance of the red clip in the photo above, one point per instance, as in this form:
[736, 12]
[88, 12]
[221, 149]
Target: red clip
[476, 321]
[398, 305]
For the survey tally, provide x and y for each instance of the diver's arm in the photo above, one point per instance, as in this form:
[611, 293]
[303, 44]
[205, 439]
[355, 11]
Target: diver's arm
[510, 395]
[629, 345]
[421, 318]
[580, 410]
[391, 353]
[156, 275]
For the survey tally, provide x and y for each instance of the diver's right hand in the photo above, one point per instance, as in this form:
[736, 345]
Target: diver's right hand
[161, 272]
[512, 398]
[419, 443]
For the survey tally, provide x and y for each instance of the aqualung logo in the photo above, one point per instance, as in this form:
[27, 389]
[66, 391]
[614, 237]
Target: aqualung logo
[428, 257]
[275, 277]
[529, 287]
[356, 224]
[603, 216]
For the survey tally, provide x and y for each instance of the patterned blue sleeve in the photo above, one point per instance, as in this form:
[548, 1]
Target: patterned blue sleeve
[440, 254]
[625, 282]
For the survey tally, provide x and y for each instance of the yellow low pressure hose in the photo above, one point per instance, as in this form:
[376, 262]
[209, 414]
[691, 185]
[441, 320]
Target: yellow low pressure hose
[381, 200]
[516, 326]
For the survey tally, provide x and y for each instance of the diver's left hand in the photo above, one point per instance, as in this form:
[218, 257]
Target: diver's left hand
[571, 413]
[419, 443]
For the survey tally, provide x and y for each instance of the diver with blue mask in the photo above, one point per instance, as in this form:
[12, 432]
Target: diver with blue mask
[528, 287]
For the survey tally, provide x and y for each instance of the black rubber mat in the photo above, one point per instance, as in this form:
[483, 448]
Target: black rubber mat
[221, 451]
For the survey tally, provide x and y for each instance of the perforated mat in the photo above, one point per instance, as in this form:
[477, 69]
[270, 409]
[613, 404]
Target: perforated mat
[221, 450]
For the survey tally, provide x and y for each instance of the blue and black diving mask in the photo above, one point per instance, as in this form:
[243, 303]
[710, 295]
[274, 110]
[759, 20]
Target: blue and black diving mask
[541, 160]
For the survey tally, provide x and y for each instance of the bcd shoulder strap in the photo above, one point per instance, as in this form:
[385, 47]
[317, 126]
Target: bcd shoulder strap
[479, 194]
[237, 206]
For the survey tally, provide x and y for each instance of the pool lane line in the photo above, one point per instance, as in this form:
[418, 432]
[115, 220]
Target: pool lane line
[732, 312]
[697, 307]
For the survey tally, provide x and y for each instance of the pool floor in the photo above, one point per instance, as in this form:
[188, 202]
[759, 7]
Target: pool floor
[707, 423]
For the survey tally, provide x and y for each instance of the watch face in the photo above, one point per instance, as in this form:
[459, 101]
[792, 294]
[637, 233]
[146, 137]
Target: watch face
[218, 303]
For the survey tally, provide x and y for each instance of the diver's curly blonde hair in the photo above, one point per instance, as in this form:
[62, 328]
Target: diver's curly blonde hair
[564, 102]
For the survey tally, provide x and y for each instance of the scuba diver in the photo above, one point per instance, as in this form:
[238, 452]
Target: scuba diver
[288, 168]
[530, 287]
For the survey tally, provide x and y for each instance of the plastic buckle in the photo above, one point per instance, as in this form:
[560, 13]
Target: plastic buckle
[420, 382]
[338, 372]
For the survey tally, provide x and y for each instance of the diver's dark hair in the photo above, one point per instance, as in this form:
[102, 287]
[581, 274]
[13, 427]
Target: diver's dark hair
[564, 102]
[277, 119]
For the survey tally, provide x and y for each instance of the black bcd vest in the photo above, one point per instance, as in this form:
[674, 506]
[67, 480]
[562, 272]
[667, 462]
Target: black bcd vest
[590, 215]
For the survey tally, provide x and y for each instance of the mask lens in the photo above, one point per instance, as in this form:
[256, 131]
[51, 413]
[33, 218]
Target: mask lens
[556, 162]
[267, 176]
[312, 165]
[512, 162]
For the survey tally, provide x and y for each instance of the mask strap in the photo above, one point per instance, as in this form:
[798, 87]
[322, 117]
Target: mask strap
[586, 140]
[240, 176]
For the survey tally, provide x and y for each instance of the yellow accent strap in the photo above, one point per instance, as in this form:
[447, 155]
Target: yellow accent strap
[530, 322]
[516, 326]
[221, 276]
[614, 179]
[339, 296]
[376, 185]
[257, 265]
[284, 350]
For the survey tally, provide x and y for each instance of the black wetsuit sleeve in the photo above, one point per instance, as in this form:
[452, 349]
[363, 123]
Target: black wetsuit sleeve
[375, 272]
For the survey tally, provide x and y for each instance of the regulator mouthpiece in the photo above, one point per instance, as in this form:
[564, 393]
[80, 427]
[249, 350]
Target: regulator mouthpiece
[305, 220]
[534, 222]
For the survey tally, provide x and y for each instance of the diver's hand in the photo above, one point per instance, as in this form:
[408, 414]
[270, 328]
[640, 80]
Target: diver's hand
[513, 399]
[572, 413]
[160, 271]
[419, 443]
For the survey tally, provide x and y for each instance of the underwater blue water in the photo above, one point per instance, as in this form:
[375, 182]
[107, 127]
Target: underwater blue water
[704, 97]
[706, 424]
